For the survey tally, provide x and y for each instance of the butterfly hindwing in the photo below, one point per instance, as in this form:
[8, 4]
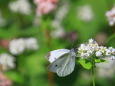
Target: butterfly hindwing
[67, 66]
[56, 64]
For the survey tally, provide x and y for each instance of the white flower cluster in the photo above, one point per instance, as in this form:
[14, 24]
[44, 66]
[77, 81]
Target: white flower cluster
[111, 16]
[21, 6]
[85, 13]
[18, 46]
[6, 61]
[59, 31]
[92, 48]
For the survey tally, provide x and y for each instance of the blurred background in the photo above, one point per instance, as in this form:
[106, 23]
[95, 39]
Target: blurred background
[29, 29]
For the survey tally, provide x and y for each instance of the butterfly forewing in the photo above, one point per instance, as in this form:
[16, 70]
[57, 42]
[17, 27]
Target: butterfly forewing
[53, 55]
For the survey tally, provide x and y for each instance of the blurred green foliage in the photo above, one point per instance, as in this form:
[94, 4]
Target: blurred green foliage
[31, 67]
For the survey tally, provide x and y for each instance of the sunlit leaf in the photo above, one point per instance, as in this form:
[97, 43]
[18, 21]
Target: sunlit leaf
[85, 63]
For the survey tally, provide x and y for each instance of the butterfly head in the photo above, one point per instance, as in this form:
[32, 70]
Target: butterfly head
[72, 51]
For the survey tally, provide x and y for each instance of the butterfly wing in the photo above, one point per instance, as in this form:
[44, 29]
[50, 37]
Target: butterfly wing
[64, 65]
[53, 55]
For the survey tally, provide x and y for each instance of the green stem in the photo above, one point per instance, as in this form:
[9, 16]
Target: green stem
[93, 79]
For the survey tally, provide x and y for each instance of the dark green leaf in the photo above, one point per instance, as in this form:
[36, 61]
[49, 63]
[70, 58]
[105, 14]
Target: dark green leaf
[100, 60]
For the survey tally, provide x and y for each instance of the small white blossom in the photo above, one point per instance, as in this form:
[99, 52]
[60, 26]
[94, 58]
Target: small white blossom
[111, 16]
[21, 6]
[31, 43]
[112, 50]
[85, 55]
[17, 46]
[98, 53]
[112, 57]
[102, 49]
[108, 52]
[58, 33]
[7, 61]
[85, 13]
[91, 40]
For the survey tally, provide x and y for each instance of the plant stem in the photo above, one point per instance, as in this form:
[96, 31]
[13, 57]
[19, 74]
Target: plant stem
[93, 75]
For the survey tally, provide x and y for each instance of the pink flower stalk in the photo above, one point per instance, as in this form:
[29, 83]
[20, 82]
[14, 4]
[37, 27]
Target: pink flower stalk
[4, 81]
[45, 6]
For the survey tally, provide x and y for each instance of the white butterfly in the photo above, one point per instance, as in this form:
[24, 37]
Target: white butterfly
[62, 61]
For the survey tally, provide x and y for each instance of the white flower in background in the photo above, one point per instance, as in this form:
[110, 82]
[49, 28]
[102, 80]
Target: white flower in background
[58, 33]
[17, 46]
[31, 43]
[56, 23]
[2, 20]
[92, 48]
[111, 16]
[7, 61]
[112, 57]
[62, 11]
[106, 69]
[21, 6]
[85, 13]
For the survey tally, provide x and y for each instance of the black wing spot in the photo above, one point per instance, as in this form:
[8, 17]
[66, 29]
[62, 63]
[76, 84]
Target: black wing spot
[56, 65]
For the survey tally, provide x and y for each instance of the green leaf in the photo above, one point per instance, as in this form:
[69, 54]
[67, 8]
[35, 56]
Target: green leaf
[14, 76]
[85, 63]
[110, 38]
[101, 60]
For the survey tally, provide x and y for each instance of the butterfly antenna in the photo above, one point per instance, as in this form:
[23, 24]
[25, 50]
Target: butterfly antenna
[73, 42]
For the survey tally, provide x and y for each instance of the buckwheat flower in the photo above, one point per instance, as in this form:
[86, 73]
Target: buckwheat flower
[20, 6]
[112, 50]
[31, 43]
[108, 52]
[98, 53]
[93, 45]
[7, 61]
[111, 16]
[17, 46]
[91, 40]
[92, 48]
[85, 13]
[102, 49]
[85, 55]
[84, 51]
